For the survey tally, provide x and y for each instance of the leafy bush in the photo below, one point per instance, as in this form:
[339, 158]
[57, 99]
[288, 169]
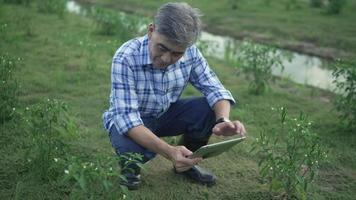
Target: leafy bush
[289, 155]
[52, 6]
[8, 87]
[257, 60]
[49, 130]
[334, 7]
[345, 79]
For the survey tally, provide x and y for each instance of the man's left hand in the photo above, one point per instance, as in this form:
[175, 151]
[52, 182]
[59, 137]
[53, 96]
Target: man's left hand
[230, 128]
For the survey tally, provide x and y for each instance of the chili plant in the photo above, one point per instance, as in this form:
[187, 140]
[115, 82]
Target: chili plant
[345, 79]
[289, 155]
[49, 130]
[8, 87]
[98, 179]
[257, 61]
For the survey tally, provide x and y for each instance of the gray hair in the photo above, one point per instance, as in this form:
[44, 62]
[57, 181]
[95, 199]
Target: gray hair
[179, 22]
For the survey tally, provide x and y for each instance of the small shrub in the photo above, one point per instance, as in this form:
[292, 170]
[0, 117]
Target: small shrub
[257, 60]
[49, 130]
[8, 87]
[290, 155]
[52, 6]
[345, 79]
[335, 7]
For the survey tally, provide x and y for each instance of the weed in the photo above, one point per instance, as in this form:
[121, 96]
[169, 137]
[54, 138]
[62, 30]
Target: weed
[289, 155]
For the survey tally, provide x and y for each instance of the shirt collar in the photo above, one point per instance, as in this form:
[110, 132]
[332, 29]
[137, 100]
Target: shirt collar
[145, 51]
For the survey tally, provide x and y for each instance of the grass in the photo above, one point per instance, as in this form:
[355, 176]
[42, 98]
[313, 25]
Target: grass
[55, 66]
[302, 29]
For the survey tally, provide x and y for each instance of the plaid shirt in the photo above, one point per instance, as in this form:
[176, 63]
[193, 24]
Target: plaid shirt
[140, 90]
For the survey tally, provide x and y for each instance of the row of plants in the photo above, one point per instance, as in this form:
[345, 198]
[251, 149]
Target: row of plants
[256, 61]
[48, 131]
[290, 154]
[48, 157]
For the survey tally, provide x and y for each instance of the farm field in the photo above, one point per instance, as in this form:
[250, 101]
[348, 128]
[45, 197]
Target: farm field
[63, 57]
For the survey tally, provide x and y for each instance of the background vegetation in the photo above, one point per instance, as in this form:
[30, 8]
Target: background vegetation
[292, 24]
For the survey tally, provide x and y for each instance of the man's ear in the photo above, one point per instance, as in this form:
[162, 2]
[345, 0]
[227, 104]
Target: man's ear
[150, 30]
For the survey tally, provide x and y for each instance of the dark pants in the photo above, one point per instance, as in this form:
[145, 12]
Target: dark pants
[192, 117]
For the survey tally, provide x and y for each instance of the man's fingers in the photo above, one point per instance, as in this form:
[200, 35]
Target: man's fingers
[186, 152]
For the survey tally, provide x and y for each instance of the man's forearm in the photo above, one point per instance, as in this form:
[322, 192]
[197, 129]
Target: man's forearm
[144, 137]
[222, 109]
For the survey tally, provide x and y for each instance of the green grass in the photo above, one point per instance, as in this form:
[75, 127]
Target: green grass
[55, 66]
[273, 23]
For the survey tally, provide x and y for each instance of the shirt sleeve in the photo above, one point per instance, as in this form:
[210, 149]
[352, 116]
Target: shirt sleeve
[124, 103]
[206, 81]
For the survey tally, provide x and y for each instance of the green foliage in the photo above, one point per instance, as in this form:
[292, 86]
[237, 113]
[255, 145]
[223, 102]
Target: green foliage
[52, 6]
[234, 4]
[345, 79]
[292, 4]
[289, 155]
[95, 179]
[8, 87]
[25, 2]
[110, 23]
[316, 3]
[257, 60]
[49, 130]
[335, 7]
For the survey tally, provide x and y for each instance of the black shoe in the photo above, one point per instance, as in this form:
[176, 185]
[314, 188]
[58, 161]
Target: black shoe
[132, 181]
[199, 175]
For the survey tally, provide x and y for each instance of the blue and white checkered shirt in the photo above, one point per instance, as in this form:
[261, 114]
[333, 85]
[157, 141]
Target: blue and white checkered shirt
[140, 90]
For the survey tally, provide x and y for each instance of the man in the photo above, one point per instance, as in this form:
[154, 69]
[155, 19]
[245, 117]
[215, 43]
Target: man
[148, 76]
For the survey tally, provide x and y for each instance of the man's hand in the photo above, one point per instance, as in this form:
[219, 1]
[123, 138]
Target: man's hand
[230, 128]
[179, 157]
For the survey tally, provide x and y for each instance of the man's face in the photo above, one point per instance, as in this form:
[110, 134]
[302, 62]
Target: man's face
[162, 51]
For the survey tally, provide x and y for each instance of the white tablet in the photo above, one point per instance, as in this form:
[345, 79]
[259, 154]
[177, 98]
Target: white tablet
[215, 149]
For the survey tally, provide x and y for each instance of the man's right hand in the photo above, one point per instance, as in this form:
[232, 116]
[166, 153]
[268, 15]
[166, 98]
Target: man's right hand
[179, 157]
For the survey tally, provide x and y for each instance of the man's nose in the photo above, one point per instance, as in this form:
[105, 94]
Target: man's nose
[166, 58]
